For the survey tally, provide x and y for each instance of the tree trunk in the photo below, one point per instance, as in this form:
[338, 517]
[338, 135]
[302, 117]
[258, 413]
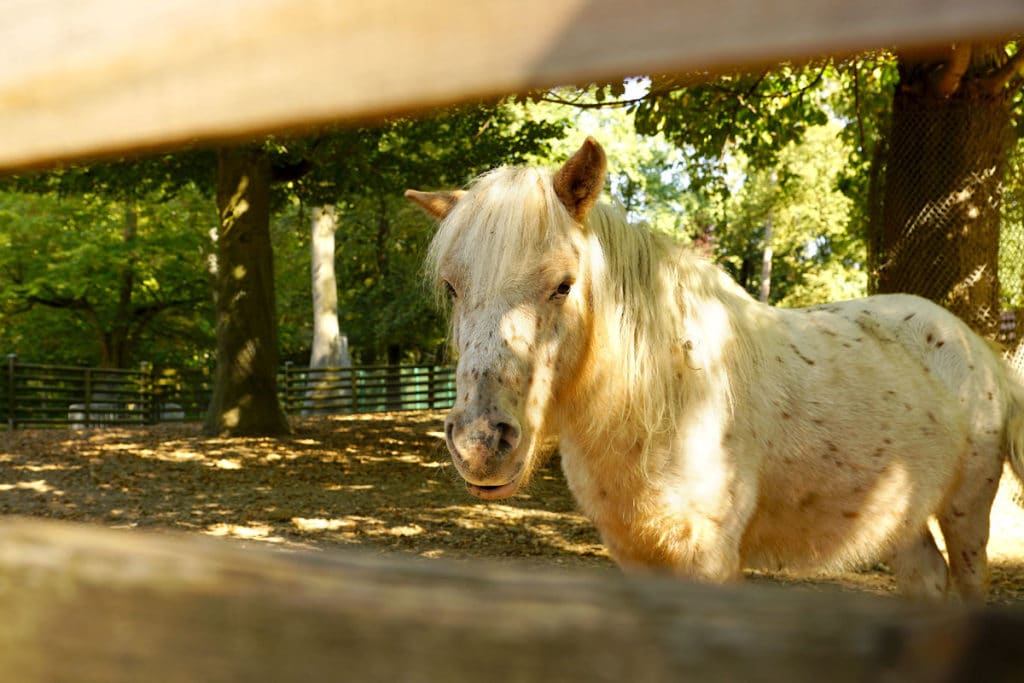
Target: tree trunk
[244, 401]
[393, 378]
[115, 336]
[766, 262]
[936, 205]
[330, 346]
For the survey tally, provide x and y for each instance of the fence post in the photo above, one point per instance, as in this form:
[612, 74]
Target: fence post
[430, 387]
[87, 413]
[354, 382]
[148, 394]
[288, 387]
[12, 359]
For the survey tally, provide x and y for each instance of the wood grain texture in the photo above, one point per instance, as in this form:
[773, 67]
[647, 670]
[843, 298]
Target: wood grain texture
[89, 604]
[108, 76]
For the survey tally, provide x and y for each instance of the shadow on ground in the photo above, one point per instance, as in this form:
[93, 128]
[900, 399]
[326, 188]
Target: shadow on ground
[381, 482]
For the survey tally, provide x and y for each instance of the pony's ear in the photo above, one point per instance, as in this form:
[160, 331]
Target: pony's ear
[580, 180]
[437, 204]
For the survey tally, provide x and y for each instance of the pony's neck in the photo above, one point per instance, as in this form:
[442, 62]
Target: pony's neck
[679, 340]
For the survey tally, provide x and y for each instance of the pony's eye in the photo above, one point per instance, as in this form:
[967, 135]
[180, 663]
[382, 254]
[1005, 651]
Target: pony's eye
[449, 289]
[561, 291]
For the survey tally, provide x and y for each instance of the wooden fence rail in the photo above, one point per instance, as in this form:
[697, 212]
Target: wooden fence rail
[105, 76]
[38, 395]
[90, 604]
[109, 77]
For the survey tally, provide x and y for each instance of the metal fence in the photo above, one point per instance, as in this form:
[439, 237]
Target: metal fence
[366, 389]
[38, 395]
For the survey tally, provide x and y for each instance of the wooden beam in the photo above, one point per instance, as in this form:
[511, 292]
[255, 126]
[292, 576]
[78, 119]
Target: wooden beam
[110, 76]
[92, 604]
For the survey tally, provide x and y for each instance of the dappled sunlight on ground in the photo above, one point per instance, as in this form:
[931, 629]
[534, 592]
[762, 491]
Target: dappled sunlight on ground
[380, 482]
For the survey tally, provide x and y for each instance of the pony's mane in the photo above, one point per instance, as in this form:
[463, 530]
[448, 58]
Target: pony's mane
[668, 317]
[646, 288]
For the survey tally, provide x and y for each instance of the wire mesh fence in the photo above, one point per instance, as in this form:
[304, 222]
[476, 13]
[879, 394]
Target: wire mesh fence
[946, 215]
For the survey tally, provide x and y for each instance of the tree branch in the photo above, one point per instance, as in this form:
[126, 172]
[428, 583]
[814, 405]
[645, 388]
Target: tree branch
[52, 301]
[143, 315]
[285, 172]
[1013, 68]
[675, 85]
[741, 102]
[607, 104]
[858, 107]
[146, 312]
[952, 72]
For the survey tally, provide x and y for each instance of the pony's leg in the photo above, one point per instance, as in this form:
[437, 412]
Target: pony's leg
[710, 554]
[710, 547]
[707, 544]
[968, 560]
[965, 526]
[692, 550]
[921, 571]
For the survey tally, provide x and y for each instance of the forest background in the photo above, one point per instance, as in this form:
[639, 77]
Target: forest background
[773, 174]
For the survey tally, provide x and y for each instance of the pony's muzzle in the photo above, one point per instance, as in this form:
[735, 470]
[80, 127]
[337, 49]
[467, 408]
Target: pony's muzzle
[481, 449]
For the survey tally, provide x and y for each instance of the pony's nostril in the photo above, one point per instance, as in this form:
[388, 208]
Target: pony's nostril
[508, 436]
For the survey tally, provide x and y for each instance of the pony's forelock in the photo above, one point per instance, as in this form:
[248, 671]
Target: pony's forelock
[506, 216]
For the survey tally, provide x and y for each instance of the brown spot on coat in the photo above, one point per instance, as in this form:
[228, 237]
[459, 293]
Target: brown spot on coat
[802, 357]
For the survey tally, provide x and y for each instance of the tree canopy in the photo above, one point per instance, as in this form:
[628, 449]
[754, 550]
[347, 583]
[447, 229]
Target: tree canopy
[110, 275]
[116, 255]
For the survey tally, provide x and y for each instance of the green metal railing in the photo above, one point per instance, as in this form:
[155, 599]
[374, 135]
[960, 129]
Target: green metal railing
[38, 395]
[366, 389]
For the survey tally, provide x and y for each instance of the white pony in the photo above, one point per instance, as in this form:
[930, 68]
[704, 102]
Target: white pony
[700, 430]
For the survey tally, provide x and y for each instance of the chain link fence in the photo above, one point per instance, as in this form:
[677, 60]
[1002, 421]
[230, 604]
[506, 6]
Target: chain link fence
[1011, 261]
[946, 214]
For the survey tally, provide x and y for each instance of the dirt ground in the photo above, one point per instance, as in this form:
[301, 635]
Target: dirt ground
[382, 482]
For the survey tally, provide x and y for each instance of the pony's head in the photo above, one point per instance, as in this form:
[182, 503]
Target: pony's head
[509, 254]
